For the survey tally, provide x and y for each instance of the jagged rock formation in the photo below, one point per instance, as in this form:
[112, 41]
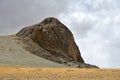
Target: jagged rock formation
[52, 40]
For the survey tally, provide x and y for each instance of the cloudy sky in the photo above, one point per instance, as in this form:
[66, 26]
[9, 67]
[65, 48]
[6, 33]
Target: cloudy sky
[94, 23]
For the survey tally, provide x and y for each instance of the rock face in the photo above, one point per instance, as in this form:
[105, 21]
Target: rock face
[54, 38]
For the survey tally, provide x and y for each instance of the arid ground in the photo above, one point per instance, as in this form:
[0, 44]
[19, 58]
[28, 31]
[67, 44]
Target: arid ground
[16, 73]
[12, 54]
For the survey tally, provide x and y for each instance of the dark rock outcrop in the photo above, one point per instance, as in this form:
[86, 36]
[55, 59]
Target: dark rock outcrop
[55, 40]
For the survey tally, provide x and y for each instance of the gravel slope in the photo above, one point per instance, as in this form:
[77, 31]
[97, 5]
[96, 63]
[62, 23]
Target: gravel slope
[12, 54]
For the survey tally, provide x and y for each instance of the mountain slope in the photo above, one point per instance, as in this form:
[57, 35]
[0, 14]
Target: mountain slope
[52, 40]
[46, 44]
[12, 54]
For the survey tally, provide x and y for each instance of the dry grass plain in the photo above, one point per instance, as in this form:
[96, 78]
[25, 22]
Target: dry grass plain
[16, 73]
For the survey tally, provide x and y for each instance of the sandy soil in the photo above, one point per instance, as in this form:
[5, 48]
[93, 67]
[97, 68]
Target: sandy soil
[15, 73]
[12, 54]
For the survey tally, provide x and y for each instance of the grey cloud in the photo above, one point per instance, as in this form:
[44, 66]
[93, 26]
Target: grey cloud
[18, 13]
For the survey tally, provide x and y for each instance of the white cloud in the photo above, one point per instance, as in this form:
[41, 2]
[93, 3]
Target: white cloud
[96, 27]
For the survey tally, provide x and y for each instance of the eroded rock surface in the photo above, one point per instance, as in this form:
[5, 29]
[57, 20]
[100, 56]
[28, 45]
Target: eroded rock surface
[53, 37]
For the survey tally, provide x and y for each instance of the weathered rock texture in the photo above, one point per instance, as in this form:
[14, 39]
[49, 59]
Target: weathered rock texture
[55, 38]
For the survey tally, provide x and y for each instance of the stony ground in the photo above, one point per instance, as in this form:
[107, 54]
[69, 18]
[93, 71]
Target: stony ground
[15, 73]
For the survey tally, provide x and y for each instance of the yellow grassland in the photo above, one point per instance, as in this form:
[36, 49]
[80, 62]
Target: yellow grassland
[16, 73]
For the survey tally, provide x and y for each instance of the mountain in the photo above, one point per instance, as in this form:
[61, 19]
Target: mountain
[48, 44]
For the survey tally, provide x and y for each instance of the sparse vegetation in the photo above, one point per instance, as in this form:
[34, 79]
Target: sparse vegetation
[13, 73]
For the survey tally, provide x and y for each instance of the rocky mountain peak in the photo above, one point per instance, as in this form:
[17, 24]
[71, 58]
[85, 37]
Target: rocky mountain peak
[54, 37]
